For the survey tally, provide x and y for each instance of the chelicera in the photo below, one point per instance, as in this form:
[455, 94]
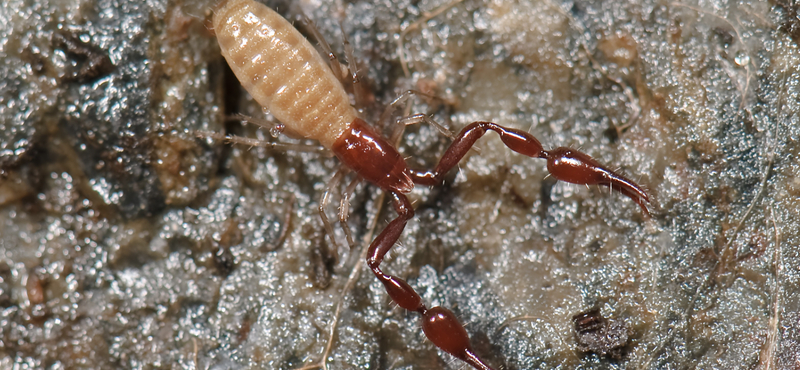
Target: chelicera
[285, 74]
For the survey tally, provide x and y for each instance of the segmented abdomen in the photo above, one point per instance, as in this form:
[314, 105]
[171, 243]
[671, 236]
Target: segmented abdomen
[282, 71]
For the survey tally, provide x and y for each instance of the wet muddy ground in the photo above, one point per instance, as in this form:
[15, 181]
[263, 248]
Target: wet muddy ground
[128, 242]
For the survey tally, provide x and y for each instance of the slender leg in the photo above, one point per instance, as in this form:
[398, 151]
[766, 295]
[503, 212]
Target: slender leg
[397, 131]
[233, 139]
[325, 199]
[360, 93]
[275, 128]
[439, 324]
[420, 118]
[336, 67]
[424, 118]
[400, 99]
[564, 164]
[344, 210]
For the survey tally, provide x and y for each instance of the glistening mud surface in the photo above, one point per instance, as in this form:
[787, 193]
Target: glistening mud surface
[128, 243]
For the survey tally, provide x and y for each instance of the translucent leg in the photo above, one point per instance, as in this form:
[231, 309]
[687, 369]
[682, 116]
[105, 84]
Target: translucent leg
[400, 125]
[358, 90]
[344, 210]
[325, 200]
[423, 118]
[275, 128]
[336, 67]
[240, 140]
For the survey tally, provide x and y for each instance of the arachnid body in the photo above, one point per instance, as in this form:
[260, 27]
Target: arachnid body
[285, 74]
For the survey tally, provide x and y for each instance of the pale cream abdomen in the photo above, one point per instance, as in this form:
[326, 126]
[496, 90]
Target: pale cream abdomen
[282, 71]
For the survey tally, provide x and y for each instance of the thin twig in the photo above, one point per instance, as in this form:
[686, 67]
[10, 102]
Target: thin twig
[767, 358]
